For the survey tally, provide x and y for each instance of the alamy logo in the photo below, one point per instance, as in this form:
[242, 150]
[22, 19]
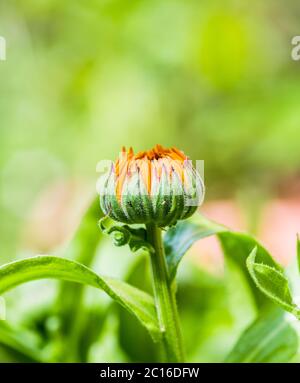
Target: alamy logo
[2, 49]
[296, 50]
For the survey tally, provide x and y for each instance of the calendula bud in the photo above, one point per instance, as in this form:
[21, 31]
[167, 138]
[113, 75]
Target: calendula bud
[158, 186]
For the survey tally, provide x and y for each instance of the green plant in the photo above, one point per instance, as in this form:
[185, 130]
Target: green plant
[266, 337]
[176, 242]
[272, 282]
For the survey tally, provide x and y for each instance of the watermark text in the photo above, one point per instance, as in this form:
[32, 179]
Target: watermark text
[2, 48]
[2, 309]
[296, 50]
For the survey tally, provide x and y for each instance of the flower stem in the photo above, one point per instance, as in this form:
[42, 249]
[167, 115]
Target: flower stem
[165, 300]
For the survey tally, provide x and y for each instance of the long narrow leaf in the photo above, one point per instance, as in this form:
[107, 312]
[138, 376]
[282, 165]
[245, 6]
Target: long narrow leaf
[269, 339]
[134, 300]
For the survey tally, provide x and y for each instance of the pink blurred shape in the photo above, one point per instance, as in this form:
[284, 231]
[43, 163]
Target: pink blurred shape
[208, 251]
[277, 230]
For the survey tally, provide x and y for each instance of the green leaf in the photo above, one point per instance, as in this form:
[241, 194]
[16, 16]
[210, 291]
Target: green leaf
[271, 282]
[134, 339]
[20, 343]
[123, 235]
[69, 307]
[180, 238]
[87, 236]
[269, 339]
[237, 247]
[134, 300]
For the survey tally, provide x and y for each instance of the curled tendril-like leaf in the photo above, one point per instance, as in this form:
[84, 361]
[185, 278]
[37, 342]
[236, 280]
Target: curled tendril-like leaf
[123, 235]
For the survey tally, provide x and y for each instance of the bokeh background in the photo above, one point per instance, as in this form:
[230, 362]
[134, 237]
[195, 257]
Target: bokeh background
[84, 78]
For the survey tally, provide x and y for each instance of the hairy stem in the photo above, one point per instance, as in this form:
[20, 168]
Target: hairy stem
[165, 300]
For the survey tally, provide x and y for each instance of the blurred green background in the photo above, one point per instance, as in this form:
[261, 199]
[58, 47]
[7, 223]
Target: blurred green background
[84, 78]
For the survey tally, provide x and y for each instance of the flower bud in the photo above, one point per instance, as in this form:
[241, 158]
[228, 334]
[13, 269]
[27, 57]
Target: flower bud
[158, 186]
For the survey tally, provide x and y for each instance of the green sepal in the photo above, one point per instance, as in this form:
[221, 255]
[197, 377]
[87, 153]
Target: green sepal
[123, 235]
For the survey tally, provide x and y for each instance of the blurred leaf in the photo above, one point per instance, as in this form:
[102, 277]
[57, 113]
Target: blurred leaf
[134, 339]
[87, 236]
[271, 282]
[223, 63]
[82, 248]
[180, 238]
[204, 314]
[268, 339]
[23, 345]
[91, 324]
[107, 349]
[136, 301]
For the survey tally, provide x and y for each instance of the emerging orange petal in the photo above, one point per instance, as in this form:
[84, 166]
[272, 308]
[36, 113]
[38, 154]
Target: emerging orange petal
[149, 163]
